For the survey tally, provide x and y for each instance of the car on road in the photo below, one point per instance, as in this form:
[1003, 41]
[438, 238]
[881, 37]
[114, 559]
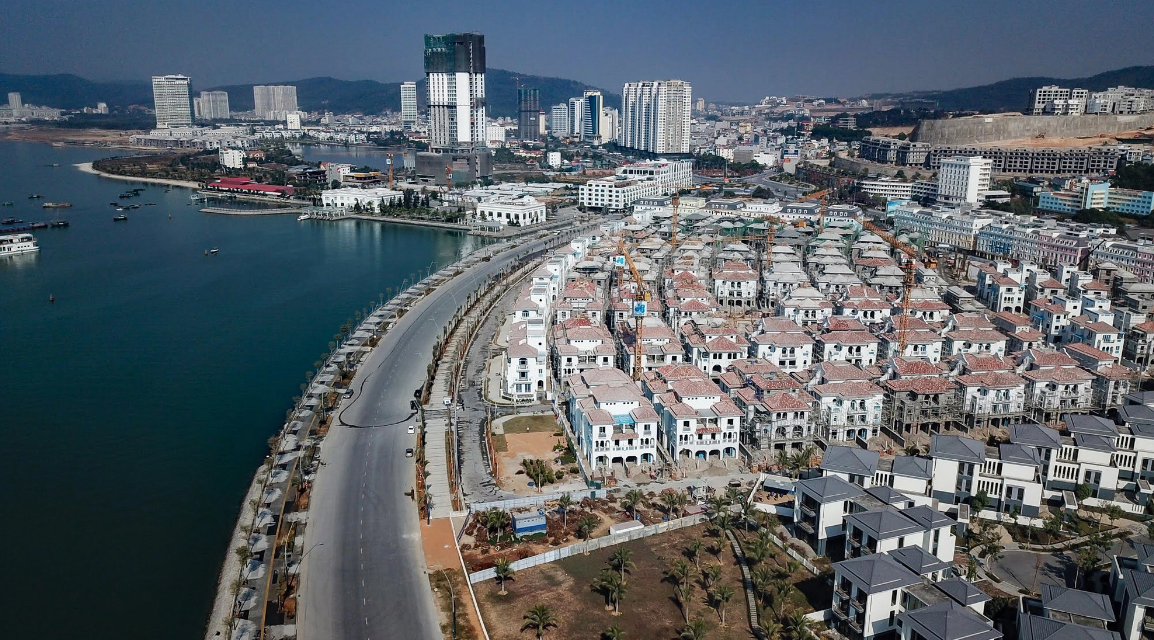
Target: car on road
[412, 429]
[409, 452]
[348, 393]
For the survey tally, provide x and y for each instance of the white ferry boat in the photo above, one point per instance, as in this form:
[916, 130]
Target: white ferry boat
[17, 243]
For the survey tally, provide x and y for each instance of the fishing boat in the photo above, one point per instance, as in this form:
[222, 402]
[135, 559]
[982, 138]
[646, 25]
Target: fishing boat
[133, 206]
[120, 218]
[150, 204]
[8, 204]
[38, 225]
[56, 205]
[16, 243]
[35, 196]
[303, 216]
[8, 221]
[58, 224]
[214, 251]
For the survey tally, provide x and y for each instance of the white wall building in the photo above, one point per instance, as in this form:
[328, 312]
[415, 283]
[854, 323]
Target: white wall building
[211, 105]
[455, 79]
[961, 179]
[408, 104]
[274, 102]
[170, 98]
[231, 158]
[511, 209]
[655, 116]
[348, 197]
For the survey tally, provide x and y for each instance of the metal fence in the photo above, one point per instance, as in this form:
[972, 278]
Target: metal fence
[591, 545]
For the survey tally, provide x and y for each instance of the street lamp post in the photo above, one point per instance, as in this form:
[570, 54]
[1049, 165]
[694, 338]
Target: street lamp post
[452, 599]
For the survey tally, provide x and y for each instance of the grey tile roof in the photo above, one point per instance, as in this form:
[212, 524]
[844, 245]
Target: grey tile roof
[1095, 442]
[1036, 435]
[957, 448]
[889, 496]
[1019, 454]
[1077, 602]
[928, 518]
[1093, 425]
[913, 467]
[884, 524]
[949, 621]
[1139, 417]
[850, 460]
[1032, 627]
[876, 572]
[826, 489]
[1140, 586]
[962, 591]
[1145, 552]
[918, 560]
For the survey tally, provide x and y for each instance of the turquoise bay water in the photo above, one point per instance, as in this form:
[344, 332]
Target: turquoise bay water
[137, 406]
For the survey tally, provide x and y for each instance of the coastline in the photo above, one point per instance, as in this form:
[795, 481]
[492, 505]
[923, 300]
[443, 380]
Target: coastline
[86, 167]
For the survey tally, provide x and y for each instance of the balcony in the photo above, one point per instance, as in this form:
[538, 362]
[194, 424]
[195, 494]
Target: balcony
[805, 526]
[808, 510]
[841, 591]
[854, 542]
[842, 611]
[856, 623]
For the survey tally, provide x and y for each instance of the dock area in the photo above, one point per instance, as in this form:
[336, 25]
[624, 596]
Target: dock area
[250, 212]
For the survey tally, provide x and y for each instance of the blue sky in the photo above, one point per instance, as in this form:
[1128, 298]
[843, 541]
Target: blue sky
[728, 49]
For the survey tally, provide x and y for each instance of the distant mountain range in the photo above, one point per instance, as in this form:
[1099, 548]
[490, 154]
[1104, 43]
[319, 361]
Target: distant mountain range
[68, 91]
[1014, 94]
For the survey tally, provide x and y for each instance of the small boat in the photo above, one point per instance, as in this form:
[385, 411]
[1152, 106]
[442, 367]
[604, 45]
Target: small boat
[115, 204]
[150, 204]
[303, 216]
[119, 218]
[59, 224]
[137, 190]
[35, 196]
[51, 299]
[8, 221]
[214, 251]
[167, 189]
[38, 225]
[121, 208]
[125, 195]
[196, 197]
[54, 164]
[18, 243]
[133, 206]
[56, 205]
[8, 204]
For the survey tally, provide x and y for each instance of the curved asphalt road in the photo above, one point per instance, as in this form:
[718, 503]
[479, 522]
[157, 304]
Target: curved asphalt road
[364, 574]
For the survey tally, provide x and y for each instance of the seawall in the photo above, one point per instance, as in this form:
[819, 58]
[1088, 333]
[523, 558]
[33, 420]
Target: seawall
[979, 129]
[86, 167]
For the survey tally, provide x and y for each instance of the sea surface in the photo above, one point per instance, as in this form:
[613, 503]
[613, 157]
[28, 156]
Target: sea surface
[136, 407]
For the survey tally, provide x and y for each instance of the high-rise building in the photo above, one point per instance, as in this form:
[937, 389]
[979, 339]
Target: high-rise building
[211, 105]
[591, 117]
[700, 105]
[455, 81]
[559, 121]
[655, 116]
[528, 113]
[961, 179]
[171, 98]
[408, 104]
[576, 116]
[15, 102]
[274, 102]
[455, 78]
[610, 124]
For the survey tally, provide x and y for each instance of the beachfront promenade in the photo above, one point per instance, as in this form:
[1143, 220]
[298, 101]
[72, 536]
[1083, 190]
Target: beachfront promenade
[365, 576]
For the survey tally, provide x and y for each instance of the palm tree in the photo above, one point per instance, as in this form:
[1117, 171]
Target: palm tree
[681, 571]
[633, 499]
[748, 512]
[780, 590]
[684, 594]
[585, 526]
[799, 626]
[756, 550]
[613, 633]
[540, 619]
[972, 569]
[694, 630]
[717, 505]
[563, 503]
[496, 520]
[720, 598]
[621, 560]
[710, 574]
[694, 551]
[770, 629]
[783, 461]
[669, 500]
[504, 571]
[614, 588]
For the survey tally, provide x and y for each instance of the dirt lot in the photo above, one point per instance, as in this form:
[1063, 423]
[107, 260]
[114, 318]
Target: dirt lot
[648, 609]
[98, 137]
[890, 132]
[524, 438]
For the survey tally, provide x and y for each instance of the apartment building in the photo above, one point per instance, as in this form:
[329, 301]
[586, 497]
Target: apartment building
[614, 422]
[963, 179]
[698, 421]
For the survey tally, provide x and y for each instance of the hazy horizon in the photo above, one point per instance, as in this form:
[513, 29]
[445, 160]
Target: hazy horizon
[736, 50]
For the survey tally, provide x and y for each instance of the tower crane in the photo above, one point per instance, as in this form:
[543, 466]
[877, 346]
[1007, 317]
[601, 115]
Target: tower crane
[822, 196]
[908, 281]
[640, 308]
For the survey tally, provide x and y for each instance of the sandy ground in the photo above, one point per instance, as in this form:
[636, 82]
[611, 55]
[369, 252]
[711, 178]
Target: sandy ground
[441, 551]
[523, 446]
[890, 132]
[86, 167]
[90, 137]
